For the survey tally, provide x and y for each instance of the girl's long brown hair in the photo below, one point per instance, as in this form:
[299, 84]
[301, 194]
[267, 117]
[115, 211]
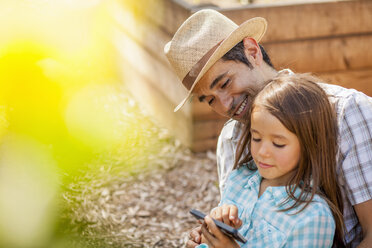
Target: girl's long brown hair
[302, 106]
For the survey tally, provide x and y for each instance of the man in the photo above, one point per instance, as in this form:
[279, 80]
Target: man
[222, 64]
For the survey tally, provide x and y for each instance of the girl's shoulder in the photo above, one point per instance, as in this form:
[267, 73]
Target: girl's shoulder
[314, 223]
[317, 208]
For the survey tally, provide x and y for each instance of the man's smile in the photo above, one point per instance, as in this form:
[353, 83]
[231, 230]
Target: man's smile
[241, 109]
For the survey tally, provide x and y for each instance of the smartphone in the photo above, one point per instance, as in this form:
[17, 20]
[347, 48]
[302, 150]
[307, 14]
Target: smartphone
[228, 230]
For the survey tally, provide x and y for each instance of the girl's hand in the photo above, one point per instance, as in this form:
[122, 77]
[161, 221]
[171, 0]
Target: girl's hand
[214, 237]
[227, 214]
[195, 237]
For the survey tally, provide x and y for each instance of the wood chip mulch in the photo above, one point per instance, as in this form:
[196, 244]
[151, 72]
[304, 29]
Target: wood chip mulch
[149, 209]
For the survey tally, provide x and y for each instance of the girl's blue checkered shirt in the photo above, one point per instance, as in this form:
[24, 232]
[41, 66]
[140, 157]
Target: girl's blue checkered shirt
[265, 226]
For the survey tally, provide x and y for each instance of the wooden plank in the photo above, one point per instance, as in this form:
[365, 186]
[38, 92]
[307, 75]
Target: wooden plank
[167, 14]
[149, 35]
[204, 145]
[207, 129]
[160, 76]
[360, 79]
[156, 104]
[304, 21]
[174, 13]
[323, 55]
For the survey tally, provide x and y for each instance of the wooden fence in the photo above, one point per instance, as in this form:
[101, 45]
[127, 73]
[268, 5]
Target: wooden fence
[332, 39]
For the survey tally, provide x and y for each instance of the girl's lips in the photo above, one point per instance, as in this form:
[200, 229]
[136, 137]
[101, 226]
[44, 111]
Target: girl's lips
[264, 166]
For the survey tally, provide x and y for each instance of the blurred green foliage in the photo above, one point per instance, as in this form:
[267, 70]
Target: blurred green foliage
[65, 117]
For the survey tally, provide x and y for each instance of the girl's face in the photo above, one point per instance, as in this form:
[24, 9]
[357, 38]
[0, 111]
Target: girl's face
[275, 150]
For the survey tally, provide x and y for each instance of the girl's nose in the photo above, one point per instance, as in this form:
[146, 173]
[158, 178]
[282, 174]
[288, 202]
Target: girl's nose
[264, 150]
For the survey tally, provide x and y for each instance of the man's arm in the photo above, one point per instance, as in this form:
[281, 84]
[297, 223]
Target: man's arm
[354, 114]
[364, 213]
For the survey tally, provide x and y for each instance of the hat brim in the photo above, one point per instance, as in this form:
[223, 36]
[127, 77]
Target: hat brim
[254, 28]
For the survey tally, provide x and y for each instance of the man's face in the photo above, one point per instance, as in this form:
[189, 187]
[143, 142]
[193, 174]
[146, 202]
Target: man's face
[228, 87]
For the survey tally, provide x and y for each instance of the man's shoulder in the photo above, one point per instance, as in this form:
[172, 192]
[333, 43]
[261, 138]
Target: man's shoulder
[340, 92]
[347, 101]
[231, 130]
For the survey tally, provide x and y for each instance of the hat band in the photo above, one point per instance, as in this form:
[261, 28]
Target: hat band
[189, 79]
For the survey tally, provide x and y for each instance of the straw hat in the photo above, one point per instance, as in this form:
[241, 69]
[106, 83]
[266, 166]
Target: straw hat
[202, 40]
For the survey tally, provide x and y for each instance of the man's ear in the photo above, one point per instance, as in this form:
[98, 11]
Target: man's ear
[252, 51]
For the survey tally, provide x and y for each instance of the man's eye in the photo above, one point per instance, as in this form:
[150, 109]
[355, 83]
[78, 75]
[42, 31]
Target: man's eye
[225, 84]
[278, 145]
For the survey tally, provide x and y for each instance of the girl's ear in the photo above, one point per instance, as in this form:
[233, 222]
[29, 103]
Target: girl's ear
[252, 51]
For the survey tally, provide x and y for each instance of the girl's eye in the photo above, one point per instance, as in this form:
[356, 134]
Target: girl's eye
[278, 145]
[256, 140]
[225, 84]
[211, 101]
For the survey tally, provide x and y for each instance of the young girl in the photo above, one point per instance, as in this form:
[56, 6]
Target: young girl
[284, 193]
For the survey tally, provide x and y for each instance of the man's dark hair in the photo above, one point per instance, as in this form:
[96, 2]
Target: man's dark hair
[237, 54]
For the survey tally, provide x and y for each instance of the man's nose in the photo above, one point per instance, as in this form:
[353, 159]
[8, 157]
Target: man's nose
[226, 103]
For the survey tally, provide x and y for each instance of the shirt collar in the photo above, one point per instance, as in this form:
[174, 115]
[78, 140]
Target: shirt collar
[279, 193]
[286, 71]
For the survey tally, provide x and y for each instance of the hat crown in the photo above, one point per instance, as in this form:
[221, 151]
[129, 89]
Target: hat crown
[196, 36]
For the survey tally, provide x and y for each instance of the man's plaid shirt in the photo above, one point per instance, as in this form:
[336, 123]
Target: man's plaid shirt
[354, 160]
